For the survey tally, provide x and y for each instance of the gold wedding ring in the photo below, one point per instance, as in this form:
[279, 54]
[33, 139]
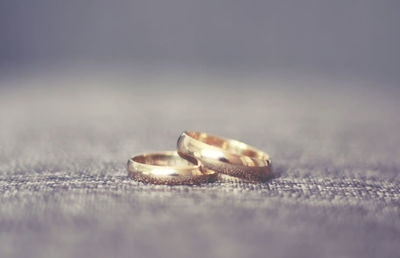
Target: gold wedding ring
[225, 156]
[169, 168]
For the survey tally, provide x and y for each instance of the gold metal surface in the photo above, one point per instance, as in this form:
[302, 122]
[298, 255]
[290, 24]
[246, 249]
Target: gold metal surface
[168, 168]
[225, 156]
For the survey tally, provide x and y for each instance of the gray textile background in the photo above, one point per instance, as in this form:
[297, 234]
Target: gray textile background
[85, 84]
[65, 138]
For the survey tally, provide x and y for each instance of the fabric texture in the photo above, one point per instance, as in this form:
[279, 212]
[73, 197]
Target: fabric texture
[65, 141]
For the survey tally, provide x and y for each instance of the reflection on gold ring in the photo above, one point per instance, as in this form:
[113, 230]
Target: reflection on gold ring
[168, 168]
[226, 156]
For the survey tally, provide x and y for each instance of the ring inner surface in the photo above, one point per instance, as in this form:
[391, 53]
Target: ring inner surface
[231, 146]
[164, 160]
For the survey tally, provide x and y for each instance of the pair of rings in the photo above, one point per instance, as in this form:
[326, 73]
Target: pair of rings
[199, 158]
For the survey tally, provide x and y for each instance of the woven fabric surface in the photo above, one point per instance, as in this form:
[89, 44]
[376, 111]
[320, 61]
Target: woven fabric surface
[64, 190]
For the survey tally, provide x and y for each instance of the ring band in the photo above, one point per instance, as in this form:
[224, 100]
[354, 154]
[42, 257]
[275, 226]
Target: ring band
[168, 168]
[226, 156]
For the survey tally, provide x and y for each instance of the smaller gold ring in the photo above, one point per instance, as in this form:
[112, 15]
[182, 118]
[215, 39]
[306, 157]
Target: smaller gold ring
[169, 168]
[226, 156]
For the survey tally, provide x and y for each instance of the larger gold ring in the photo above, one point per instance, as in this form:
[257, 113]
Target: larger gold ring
[226, 156]
[169, 168]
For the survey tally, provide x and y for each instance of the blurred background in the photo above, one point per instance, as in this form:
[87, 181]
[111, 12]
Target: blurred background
[357, 39]
[86, 84]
